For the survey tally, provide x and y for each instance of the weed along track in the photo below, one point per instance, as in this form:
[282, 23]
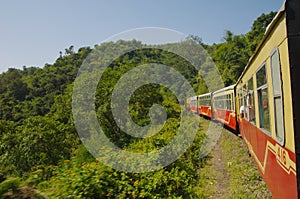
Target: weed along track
[220, 174]
[230, 172]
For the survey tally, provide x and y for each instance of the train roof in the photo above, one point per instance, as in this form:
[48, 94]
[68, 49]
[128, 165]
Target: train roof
[225, 89]
[206, 94]
[192, 98]
[267, 33]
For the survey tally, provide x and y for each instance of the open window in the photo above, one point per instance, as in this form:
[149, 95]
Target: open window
[245, 103]
[277, 96]
[250, 101]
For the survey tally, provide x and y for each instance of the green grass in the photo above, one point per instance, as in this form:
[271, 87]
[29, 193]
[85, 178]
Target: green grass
[230, 172]
[245, 181]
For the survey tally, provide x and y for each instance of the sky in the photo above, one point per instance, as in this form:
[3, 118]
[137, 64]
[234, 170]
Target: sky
[33, 32]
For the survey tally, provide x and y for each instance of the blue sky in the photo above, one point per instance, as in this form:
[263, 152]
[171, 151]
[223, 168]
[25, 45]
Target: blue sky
[33, 32]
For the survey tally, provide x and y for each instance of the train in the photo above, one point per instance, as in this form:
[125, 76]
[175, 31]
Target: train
[263, 106]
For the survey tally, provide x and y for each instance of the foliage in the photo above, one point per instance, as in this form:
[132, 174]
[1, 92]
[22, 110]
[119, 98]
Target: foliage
[232, 55]
[257, 31]
[94, 180]
[12, 183]
[39, 143]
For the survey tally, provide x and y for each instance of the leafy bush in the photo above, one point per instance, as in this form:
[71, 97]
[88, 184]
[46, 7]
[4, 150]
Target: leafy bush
[95, 180]
[9, 184]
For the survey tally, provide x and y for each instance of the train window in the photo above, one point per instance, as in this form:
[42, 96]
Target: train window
[193, 102]
[261, 76]
[221, 102]
[245, 103]
[205, 101]
[227, 104]
[277, 96]
[240, 98]
[263, 104]
[232, 102]
[229, 100]
[251, 103]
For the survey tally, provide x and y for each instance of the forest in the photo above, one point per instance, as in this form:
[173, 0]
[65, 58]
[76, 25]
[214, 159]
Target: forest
[42, 155]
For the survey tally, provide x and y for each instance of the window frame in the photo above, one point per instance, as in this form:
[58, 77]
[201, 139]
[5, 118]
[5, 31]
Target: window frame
[258, 90]
[280, 140]
[249, 94]
[240, 100]
[244, 100]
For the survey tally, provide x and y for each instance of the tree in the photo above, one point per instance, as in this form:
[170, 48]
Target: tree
[258, 29]
[228, 36]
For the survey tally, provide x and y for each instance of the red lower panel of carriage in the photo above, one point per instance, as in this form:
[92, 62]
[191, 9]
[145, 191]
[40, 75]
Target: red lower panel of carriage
[193, 109]
[275, 163]
[227, 117]
[205, 111]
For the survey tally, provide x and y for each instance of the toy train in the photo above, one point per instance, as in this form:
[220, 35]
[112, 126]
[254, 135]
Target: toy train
[264, 104]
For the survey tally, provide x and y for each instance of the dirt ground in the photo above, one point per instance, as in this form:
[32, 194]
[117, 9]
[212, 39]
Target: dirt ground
[219, 175]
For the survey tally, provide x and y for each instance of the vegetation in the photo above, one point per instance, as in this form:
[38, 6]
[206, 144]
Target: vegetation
[245, 181]
[41, 154]
[231, 173]
[232, 55]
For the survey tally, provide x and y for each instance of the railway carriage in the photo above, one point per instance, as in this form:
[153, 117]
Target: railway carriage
[204, 105]
[192, 104]
[224, 107]
[187, 104]
[267, 103]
